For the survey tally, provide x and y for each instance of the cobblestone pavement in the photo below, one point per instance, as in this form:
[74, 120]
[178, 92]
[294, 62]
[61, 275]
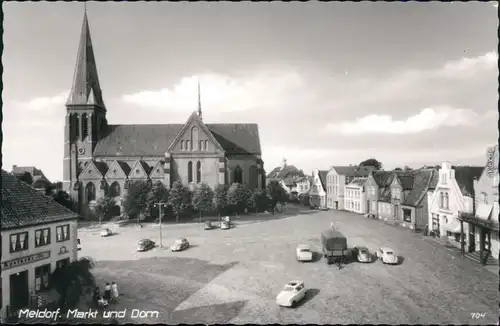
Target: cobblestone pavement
[233, 276]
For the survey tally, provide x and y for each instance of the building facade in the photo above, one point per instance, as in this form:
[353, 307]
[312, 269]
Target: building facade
[453, 195]
[375, 185]
[303, 185]
[38, 235]
[317, 194]
[337, 178]
[355, 196]
[102, 159]
[483, 225]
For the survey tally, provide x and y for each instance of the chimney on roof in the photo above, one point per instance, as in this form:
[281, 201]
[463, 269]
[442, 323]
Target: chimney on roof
[283, 164]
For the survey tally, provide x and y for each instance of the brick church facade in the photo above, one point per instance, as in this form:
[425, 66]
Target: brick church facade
[102, 159]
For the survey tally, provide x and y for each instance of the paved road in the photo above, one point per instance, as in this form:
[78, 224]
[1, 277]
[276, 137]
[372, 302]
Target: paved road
[233, 276]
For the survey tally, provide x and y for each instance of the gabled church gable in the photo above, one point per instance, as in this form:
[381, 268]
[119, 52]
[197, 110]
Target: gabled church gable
[116, 171]
[198, 140]
[93, 170]
[157, 172]
[139, 170]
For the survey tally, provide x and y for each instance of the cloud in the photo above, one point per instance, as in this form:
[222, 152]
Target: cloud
[427, 119]
[43, 103]
[465, 67]
[262, 90]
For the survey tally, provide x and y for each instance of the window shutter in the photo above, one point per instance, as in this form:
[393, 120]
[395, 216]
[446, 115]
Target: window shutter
[38, 236]
[46, 236]
[22, 238]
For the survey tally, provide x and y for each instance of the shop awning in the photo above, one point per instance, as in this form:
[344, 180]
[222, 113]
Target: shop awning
[483, 211]
[453, 227]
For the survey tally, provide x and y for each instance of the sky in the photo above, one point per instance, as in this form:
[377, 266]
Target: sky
[328, 83]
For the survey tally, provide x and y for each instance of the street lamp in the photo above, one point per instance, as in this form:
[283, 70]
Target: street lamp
[160, 205]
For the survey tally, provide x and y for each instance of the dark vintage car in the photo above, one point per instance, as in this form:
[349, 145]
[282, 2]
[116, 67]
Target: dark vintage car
[145, 245]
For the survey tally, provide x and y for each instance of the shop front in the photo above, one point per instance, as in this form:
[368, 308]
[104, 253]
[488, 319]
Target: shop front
[483, 233]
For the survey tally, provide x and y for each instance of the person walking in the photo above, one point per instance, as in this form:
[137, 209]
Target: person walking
[114, 291]
[107, 292]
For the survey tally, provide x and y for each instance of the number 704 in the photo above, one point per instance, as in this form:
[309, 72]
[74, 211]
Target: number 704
[477, 315]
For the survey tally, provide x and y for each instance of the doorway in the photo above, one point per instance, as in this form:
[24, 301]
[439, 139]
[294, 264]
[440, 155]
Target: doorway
[472, 238]
[336, 205]
[19, 293]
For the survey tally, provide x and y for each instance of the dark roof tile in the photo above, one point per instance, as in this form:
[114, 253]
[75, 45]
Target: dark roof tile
[23, 206]
[465, 177]
[153, 140]
[322, 176]
[353, 171]
[422, 182]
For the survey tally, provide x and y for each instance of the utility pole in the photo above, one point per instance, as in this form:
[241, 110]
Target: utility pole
[160, 205]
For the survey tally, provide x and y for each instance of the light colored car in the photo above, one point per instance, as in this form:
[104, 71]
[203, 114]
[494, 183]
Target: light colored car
[292, 293]
[304, 253]
[387, 256]
[145, 245]
[179, 244]
[363, 255]
[106, 233]
[224, 225]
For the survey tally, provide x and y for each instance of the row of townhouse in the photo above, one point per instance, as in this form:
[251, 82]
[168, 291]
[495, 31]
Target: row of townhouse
[458, 204]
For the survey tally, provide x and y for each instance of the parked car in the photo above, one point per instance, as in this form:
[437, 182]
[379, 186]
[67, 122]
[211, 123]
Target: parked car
[208, 225]
[387, 256]
[291, 294]
[106, 233]
[362, 254]
[224, 225]
[179, 244]
[145, 245]
[304, 253]
[78, 244]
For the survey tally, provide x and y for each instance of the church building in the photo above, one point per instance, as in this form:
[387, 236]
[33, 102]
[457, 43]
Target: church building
[102, 159]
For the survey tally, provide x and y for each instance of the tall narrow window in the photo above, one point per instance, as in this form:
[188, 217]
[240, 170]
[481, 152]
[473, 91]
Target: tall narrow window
[77, 126]
[62, 233]
[238, 175]
[90, 192]
[42, 237]
[85, 126]
[188, 145]
[190, 171]
[441, 200]
[182, 145]
[42, 277]
[194, 138]
[201, 145]
[18, 242]
[446, 201]
[198, 172]
[205, 147]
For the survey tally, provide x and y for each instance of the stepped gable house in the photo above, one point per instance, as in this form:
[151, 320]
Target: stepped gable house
[100, 158]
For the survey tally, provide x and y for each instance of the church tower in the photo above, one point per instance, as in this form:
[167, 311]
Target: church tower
[85, 113]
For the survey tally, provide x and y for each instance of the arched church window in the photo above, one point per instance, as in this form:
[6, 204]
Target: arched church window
[114, 190]
[77, 126]
[194, 138]
[182, 145]
[238, 175]
[85, 125]
[190, 171]
[90, 192]
[206, 145]
[188, 145]
[198, 172]
[201, 145]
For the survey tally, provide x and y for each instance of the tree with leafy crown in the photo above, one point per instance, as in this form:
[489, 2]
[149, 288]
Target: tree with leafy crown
[179, 199]
[135, 202]
[202, 199]
[220, 198]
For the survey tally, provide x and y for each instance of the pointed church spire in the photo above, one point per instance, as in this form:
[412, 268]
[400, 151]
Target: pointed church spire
[199, 101]
[85, 86]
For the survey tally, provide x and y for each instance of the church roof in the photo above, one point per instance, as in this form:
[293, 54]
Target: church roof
[85, 89]
[153, 140]
[23, 206]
